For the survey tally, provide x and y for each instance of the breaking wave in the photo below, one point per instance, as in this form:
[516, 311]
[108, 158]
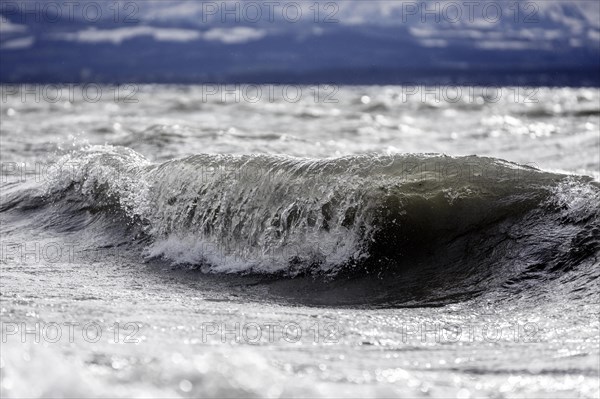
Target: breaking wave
[449, 225]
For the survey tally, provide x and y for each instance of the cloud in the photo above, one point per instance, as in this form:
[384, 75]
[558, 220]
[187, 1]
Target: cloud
[239, 34]
[8, 27]
[13, 44]
[434, 42]
[234, 35]
[117, 36]
[507, 45]
[594, 35]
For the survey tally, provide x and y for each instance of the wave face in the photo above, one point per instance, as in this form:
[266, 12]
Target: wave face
[424, 221]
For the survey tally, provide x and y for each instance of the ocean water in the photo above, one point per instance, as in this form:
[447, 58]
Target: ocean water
[299, 241]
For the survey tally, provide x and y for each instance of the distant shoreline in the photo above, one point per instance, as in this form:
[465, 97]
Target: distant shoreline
[567, 77]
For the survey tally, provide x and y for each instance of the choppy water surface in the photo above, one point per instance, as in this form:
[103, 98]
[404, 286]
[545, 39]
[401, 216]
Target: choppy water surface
[300, 241]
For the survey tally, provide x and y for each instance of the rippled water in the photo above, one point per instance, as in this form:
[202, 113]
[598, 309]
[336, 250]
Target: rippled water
[310, 241]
